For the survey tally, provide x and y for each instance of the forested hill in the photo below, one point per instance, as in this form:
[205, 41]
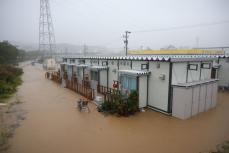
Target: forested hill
[9, 54]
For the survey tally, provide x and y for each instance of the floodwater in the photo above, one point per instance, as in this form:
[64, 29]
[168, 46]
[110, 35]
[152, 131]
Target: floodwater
[54, 125]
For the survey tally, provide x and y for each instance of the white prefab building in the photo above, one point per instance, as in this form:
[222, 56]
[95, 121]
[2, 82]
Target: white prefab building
[49, 64]
[224, 72]
[181, 86]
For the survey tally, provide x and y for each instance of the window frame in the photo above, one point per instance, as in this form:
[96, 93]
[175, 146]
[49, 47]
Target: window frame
[204, 67]
[104, 63]
[144, 66]
[190, 67]
[81, 61]
[72, 60]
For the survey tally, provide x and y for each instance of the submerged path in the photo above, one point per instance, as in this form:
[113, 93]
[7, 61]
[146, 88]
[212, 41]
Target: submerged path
[54, 125]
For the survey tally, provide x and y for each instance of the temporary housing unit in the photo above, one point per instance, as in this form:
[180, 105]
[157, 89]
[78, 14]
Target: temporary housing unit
[181, 86]
[49, 64]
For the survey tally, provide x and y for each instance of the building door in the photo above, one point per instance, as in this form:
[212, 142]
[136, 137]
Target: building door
[213, 73]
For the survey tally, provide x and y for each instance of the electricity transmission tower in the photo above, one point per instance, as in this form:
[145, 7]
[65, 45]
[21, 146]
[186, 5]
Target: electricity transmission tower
[46, 31]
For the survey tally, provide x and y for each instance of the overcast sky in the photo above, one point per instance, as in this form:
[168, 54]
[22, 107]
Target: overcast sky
[103, 22]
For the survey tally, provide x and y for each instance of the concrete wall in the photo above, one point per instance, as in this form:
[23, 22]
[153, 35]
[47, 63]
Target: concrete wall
[223, 72]
[158, 89]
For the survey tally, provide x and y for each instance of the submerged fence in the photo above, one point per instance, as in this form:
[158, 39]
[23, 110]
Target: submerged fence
[110, 94]
[105, 90]
[55, 76]
[82, 89]
[72, 84]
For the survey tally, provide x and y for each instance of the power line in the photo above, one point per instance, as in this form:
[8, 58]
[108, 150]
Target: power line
[183, 27]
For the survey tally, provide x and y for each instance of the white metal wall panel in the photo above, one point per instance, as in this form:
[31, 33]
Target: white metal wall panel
[87, 61]
[195, 100]
[112, 73]
[223, 72]
[214, 94]
[103, 78]
[124, 65]
[205, 74]
[182, 102]
[142, 91]
[202, 98]
[94, 84]
[74, 69]
[158, 89]
[179, 72]
[137, 64]
[69, 72]
[208, 97]
[80, 77]
[194, 75]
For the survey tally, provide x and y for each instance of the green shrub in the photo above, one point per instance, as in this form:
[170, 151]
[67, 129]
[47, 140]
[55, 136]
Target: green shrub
[9, 80]
[120, 105]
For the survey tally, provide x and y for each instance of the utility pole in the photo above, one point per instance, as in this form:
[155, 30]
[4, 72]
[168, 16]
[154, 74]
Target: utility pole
[84, 49]
[126, 36]
[197, 42]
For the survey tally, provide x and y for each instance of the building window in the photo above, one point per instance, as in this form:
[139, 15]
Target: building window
[104, 63]
[72, 60]
[205, 65]
[65, 60]
[128, 82]
[81, 61]
[112, 62]
[144, 66]
[95, 61]
[193, 67]
[94, 75]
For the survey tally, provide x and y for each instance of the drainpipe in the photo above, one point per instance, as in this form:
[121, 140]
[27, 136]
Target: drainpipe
[107, 77]
[170, 97]
[187, 72]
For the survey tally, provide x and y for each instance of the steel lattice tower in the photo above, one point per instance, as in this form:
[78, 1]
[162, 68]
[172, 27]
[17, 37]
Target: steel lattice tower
[46, 31]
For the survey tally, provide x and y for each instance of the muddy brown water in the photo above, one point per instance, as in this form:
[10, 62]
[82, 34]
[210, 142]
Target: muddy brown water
[54, 125]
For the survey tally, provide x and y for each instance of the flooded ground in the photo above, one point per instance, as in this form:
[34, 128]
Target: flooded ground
[54, 125]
